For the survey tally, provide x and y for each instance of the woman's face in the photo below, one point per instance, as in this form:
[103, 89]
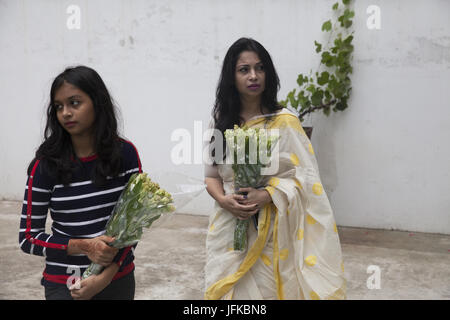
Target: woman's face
[250, 77]
[74, 110]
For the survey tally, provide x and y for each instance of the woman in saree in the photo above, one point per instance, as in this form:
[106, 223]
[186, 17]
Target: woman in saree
[293, 250]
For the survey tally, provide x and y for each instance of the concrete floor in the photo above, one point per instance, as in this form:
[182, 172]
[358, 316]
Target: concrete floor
[170, 260]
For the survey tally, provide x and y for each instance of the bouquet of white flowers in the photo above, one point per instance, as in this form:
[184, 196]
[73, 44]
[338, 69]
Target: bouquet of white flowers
[140, 204]
[250, 150]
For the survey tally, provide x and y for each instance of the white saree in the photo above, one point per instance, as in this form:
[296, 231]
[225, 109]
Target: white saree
[295, 253]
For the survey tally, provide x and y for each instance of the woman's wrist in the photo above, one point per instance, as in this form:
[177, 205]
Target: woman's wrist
[220, 199]
[267, 196]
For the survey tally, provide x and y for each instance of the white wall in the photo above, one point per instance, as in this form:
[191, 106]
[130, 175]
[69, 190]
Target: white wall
[384, 161]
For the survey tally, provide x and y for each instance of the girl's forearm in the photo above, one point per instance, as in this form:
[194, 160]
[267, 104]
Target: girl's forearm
[109, 272]
[95, 283]
[77, 246]
[106, 276]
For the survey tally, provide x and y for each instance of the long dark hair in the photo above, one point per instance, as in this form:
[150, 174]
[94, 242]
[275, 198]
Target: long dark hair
[227, 107]
[56, 152]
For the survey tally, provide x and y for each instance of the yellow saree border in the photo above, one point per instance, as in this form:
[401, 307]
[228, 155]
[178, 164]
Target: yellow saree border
[221, 287]
[253, 122]
[276, 259]
[279, 121]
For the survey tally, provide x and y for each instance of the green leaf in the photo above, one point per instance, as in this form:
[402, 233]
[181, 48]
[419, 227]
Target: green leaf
[326, 57]
[323, 79]
[335, 6]
[305, 103]
[342, 104]
[301, 95]
[327, 26]
[330, 62]
[346, 18]
[338, 42]
[327, 96]
[340, 59]
[316, 98]
[292, 100]
[301, 79]
[348, 40]
[311, 88]
[332, 85]
[345, 2]
[302, 99]
[318, 46]
[339, 90]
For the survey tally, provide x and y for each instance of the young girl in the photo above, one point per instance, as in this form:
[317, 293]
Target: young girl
[78, 173]
[294, 251]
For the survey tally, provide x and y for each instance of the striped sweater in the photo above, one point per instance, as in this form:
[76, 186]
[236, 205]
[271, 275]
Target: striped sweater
[78, 210]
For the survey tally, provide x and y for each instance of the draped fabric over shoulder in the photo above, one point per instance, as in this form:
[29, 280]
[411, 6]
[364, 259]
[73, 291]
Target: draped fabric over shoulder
[295, 252]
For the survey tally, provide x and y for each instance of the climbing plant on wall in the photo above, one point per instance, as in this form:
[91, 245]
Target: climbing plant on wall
[330, 86]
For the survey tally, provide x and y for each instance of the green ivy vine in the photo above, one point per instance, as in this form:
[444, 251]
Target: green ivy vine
[330, 89]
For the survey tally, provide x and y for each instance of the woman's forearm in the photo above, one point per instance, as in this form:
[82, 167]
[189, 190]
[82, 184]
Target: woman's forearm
[214, 186]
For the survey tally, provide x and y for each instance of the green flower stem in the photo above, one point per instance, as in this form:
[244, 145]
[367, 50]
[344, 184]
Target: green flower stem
[240, 234]
[93, 269]
[139, 205]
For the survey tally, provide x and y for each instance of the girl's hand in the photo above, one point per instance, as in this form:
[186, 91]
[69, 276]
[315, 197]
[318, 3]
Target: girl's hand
[88, 287]
[230, 202]
[260, 197]
[98, 250]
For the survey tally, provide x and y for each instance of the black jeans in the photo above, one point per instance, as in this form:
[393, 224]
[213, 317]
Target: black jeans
[120, 289]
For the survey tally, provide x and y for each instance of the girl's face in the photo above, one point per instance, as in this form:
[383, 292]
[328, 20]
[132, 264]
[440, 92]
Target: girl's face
[250, 77]
[74, 110]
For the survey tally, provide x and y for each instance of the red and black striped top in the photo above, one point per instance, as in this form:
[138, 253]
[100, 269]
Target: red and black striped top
[78, 210]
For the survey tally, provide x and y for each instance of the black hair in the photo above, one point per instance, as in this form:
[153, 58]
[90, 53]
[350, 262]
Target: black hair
[227, 106]
[56, 151]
